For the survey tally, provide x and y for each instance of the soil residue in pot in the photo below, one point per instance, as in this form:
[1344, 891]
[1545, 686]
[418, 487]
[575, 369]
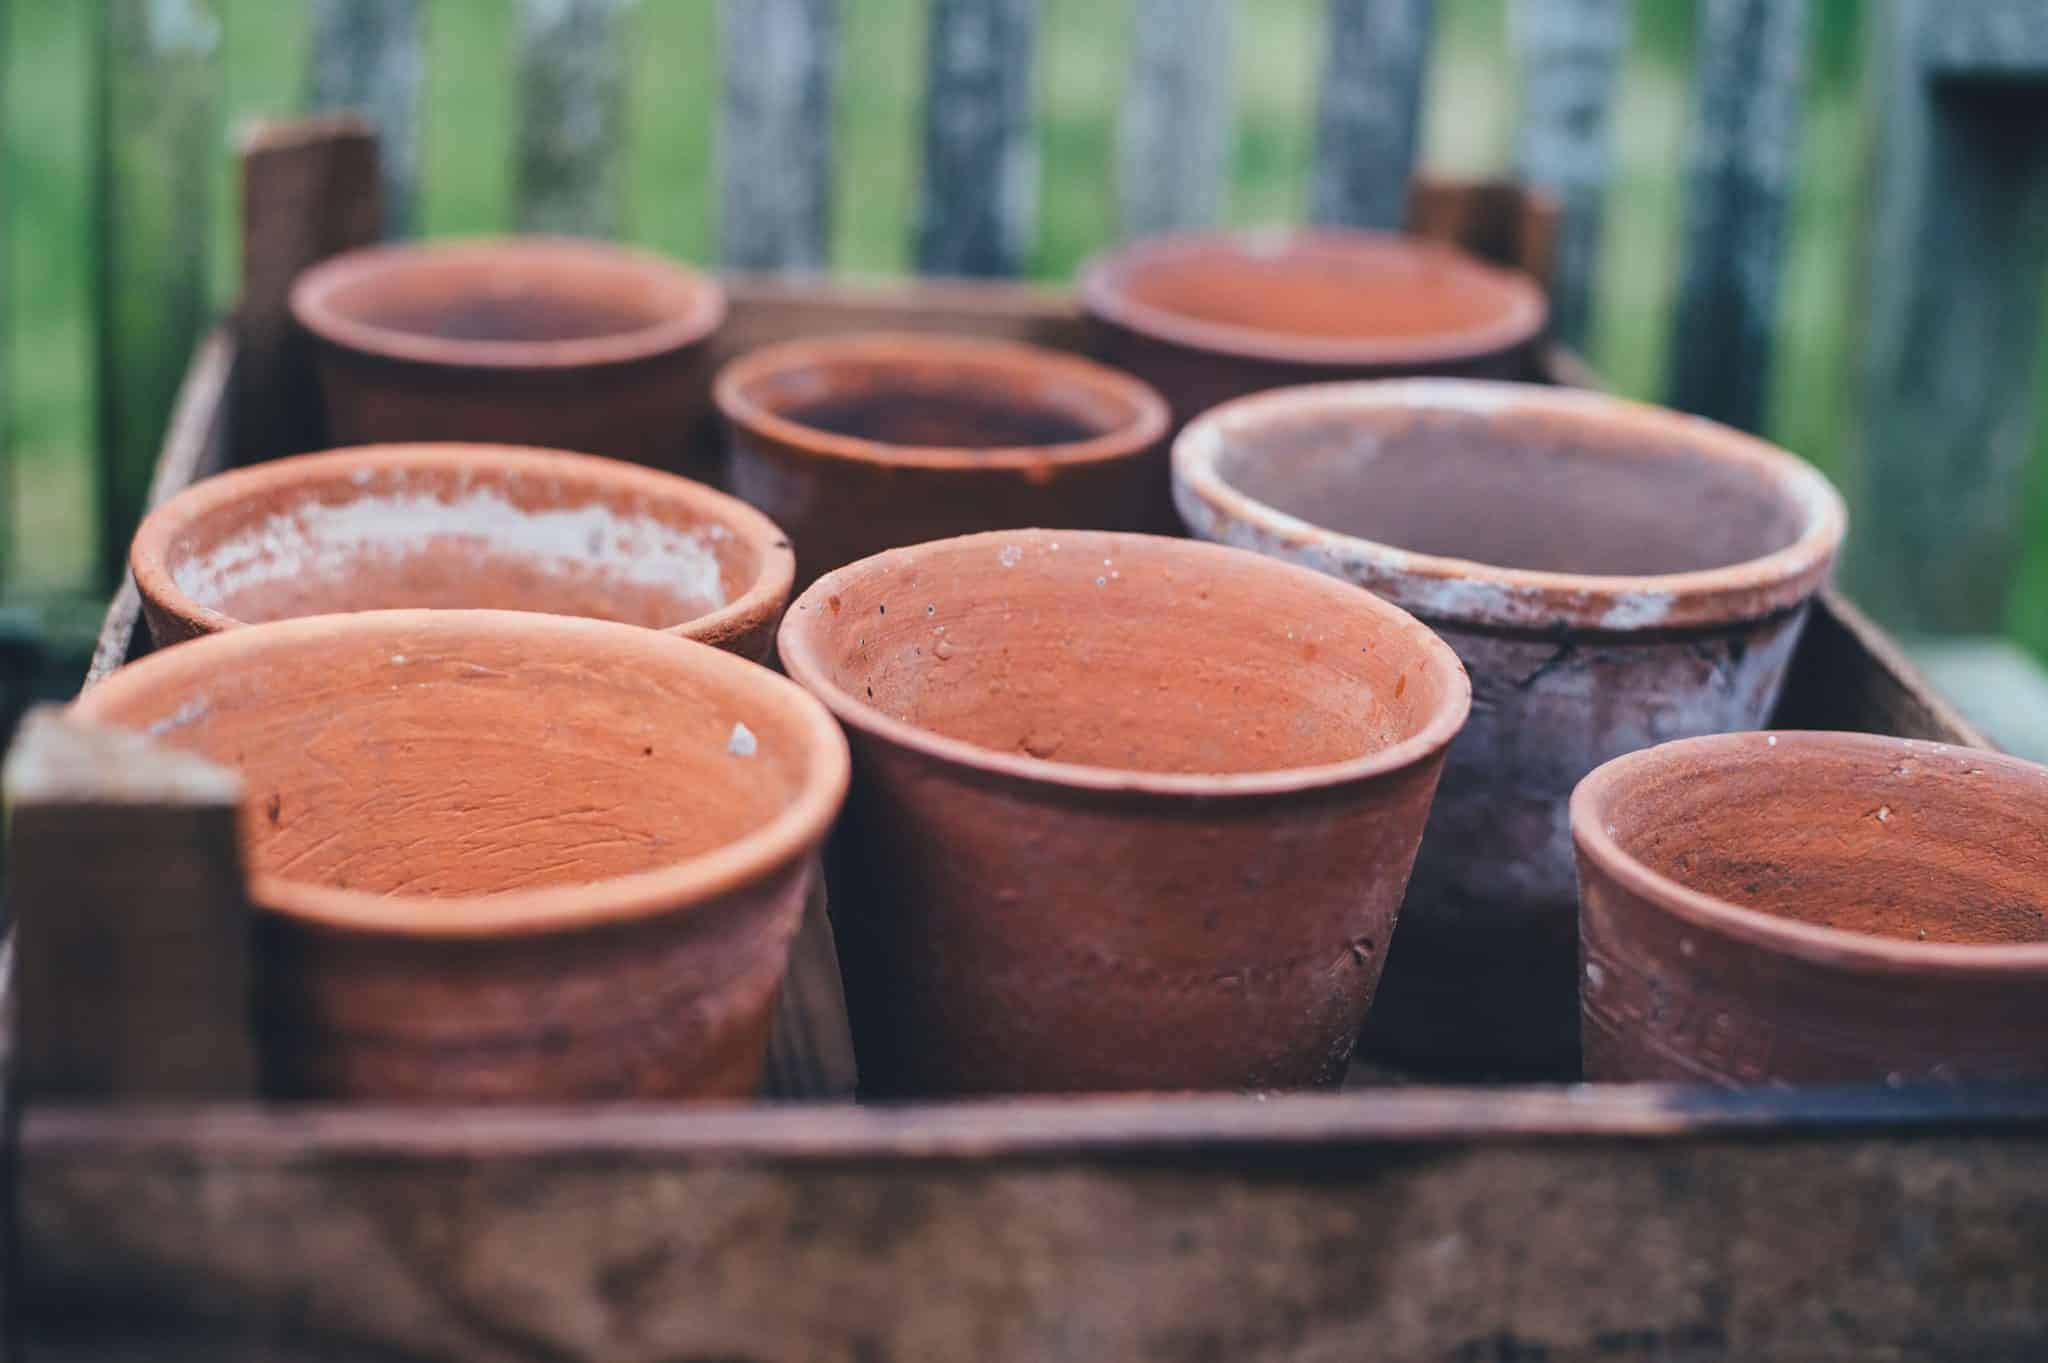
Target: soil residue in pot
[943, 419]
[515, 316]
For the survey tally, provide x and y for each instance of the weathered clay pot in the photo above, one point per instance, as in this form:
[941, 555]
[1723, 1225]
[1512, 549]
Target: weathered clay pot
[574, 345]
[1129, 813]
[856, 444]
[502, 855]
[1814, 907]
[1613, 575]
[452, 526]
[1207, 318]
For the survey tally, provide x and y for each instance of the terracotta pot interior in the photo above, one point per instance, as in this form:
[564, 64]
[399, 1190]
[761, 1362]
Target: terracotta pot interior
[1126, 653]
[447, 537]
[512, 295]
[1891, 843]
[1539, 492]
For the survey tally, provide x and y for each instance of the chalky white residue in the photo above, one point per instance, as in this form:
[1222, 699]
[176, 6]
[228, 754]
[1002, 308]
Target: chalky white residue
[742, 743]
[321, 540]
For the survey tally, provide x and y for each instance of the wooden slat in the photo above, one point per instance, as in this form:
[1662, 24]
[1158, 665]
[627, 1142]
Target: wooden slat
[1741, 159]
[1175, 123]
[1570, 53]
[368, 56]
[573, 148]
[775, 132]
[978, 207]
[1847, 675]
[1989, 40]
[1368, 124]
[1496, 220]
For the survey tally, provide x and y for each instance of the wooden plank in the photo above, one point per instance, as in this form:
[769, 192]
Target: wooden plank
[573, 148]
[159, 87]
[368, 56]
[1174, 129]
[775, 132]
[978, 206]
[1497, 220]
[1570, 53]
[1846, 674]
[1989, 40]
[1369, 119]
[1741, 158]
[1997, 683]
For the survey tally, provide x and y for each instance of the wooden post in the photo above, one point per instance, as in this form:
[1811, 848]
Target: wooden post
[978, 210]
[158, 133]
[1369, 121]
[1570, 52]
[1175, 123]
[367, 56]
[573, 144]
[1748, 76]
[775, 132]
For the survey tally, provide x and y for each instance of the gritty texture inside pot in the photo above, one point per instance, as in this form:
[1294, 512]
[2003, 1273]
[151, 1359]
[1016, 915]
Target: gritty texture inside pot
[521, 297]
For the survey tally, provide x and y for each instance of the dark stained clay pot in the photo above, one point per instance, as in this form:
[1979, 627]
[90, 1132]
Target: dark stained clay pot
[856, 444]
[504, 856]
[1129, 812]
[1206, 318]
[463, 526]
[556, 342]
[1613, 575]
[1813, 907]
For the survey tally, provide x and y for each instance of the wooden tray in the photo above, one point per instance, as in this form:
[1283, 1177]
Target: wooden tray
[162, 1215]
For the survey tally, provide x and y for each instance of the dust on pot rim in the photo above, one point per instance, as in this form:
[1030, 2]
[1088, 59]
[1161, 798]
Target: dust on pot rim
[1595, 537]
[748, 713]
[522, 303]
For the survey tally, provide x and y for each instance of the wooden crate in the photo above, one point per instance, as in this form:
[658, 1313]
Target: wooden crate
[168, 1217]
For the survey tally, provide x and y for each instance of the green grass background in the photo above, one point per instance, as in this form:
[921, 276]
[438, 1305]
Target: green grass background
[45, 100]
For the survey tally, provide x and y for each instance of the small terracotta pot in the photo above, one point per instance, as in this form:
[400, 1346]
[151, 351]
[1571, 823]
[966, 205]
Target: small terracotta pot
[1130, 812]
[1613, 575]
[1812, 907]
[862, 443]
[1207, 318]
[502, 855]
[462, 526]
[574, 345]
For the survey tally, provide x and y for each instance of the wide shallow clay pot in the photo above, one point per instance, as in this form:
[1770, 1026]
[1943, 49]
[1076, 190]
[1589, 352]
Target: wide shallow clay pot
[1613, 575]
[862, 443]
[462, 526]
[1207, 318]
[499, 855]
[1129, 812]
[1807, 907]
[574, 345]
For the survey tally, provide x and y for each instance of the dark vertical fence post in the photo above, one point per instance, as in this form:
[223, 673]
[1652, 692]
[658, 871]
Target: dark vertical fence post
[978, 210]
[367, 56]
[1570, 54]
[1748, 76]
[1369, 119]
[1175, 122]
[573, 146]
[158, 134]
[775, 132]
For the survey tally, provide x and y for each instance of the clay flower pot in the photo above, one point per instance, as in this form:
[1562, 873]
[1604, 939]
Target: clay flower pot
[574, 345]
[1206, 318]
[1130, 812]
[1814, 907]
[500, 855]
[857, 444]
[453, 526]
[1613, 575]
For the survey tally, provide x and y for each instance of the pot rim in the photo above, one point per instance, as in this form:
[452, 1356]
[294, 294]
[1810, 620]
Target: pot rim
[788, 836]
[1523, 315]
[312, 305]
[1146, 428]
[1467, 592]
[774, 578]
[800, 659]
[1812, 943]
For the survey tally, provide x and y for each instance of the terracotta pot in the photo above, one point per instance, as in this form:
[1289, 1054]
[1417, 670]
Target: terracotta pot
[1129, 813]
[1811, 907]
[1207, 318]
[858, 444]
[502, 855]
[574, 345]
[452, 526]
[1612, 575]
